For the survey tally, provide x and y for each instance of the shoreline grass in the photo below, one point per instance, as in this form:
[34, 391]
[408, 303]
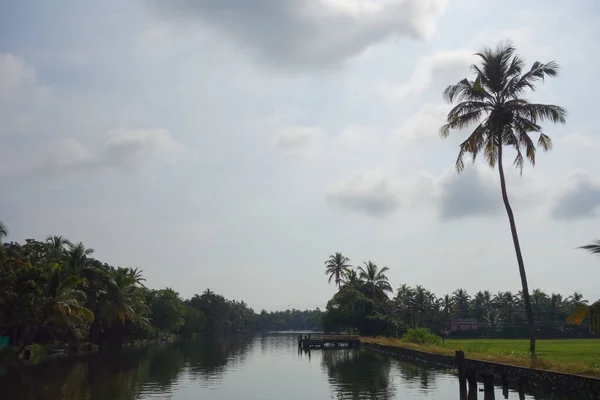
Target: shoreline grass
[571, 356]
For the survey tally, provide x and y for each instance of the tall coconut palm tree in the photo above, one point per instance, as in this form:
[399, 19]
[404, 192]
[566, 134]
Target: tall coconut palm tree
[375, 279]
[3, 231]
[337, 267]
[495, 101]
[582, 310]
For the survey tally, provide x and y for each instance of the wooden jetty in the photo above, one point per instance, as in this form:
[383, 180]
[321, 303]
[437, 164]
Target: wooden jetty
[308, 341]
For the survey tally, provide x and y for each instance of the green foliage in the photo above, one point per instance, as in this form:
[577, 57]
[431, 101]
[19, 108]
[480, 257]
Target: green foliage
[355, 308]
[421, 336]
[167, 309]
[337, 267]
[194, 322]
[54, 291]
[380, 324]
[305, 320]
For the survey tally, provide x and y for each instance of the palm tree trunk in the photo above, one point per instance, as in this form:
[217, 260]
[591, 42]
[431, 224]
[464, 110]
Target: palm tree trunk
[513, 230]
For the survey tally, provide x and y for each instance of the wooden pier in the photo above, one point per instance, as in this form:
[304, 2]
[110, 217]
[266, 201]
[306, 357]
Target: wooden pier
[308, 341]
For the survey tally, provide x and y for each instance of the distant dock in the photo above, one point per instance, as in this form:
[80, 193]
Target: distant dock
[310, 341]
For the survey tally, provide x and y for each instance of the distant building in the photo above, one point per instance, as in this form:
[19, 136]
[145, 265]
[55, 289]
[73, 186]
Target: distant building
[459, 324]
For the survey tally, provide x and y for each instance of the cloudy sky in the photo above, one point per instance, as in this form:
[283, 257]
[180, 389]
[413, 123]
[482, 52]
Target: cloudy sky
[235, 144]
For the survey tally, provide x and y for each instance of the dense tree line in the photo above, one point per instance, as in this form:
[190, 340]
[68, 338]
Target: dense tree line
[54, 291]
[364, 303]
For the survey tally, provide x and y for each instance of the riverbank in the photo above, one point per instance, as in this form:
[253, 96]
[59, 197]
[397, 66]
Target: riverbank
[579, 356]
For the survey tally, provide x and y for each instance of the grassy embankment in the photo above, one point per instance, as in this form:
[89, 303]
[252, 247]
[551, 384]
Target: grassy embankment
[574, 356]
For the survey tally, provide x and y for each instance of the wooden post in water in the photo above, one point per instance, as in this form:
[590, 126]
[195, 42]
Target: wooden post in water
[521, 387]
[459, 356]
[488, 386]
[471, 375]
[504, 379]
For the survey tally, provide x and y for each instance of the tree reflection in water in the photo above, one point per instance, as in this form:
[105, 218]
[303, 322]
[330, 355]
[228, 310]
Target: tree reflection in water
[358, 374]
[209, 359]
[125, 375]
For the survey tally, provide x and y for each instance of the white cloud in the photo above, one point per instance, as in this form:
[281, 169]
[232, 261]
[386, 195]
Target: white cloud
[299, 140]
[123, 148]
[14, 73]
[371, 192]
[356, 137]
[476, 192]
[22, 97]
[448, 66]
[69, 153]
[123, 145]
[309, 33]
[425, 123]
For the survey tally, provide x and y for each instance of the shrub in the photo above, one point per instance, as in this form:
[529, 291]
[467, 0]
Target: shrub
[421, 336]
[379, 324]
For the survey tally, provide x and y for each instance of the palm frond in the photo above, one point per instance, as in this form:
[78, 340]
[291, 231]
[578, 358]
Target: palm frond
[593, 247]
[537, 72]
[490, 152]
[542, 112]
[472, 145]
[3, 231]
[466, 90]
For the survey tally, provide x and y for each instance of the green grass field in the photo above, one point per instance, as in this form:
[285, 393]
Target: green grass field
[567, 350]
[578, 356]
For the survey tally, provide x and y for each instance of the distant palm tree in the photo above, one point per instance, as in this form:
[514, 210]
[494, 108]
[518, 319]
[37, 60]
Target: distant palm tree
[576, 299]
[375, 278]
[495, 101]
[337, 267]
[582, 310]
[492, 321]
[78, 255]
[58, 242]
[461, 300]
[352, 279]
[137, 277]
[447, 305]
[3, 231]
[64, 308]
[123, 299]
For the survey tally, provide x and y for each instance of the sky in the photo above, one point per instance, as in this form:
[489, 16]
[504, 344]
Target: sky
[234, 144]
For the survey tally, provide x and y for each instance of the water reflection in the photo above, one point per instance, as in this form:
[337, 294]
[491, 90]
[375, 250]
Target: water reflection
[127, 375]
[265, 367]
[417, 373]
[208, 360]
[358, 374]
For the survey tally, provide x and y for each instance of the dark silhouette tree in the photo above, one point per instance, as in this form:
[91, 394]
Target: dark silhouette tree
[495, 101]
[337, 267]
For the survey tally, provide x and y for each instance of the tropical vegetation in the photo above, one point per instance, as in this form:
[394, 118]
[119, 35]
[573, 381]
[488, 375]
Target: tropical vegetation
[592, 311]
[495, 101]
[365, 303]
[54, 292]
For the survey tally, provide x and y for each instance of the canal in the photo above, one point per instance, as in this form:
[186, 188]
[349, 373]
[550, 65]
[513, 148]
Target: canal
[261, 367]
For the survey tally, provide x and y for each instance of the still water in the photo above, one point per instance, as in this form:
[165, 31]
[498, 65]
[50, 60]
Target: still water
[262, 367]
